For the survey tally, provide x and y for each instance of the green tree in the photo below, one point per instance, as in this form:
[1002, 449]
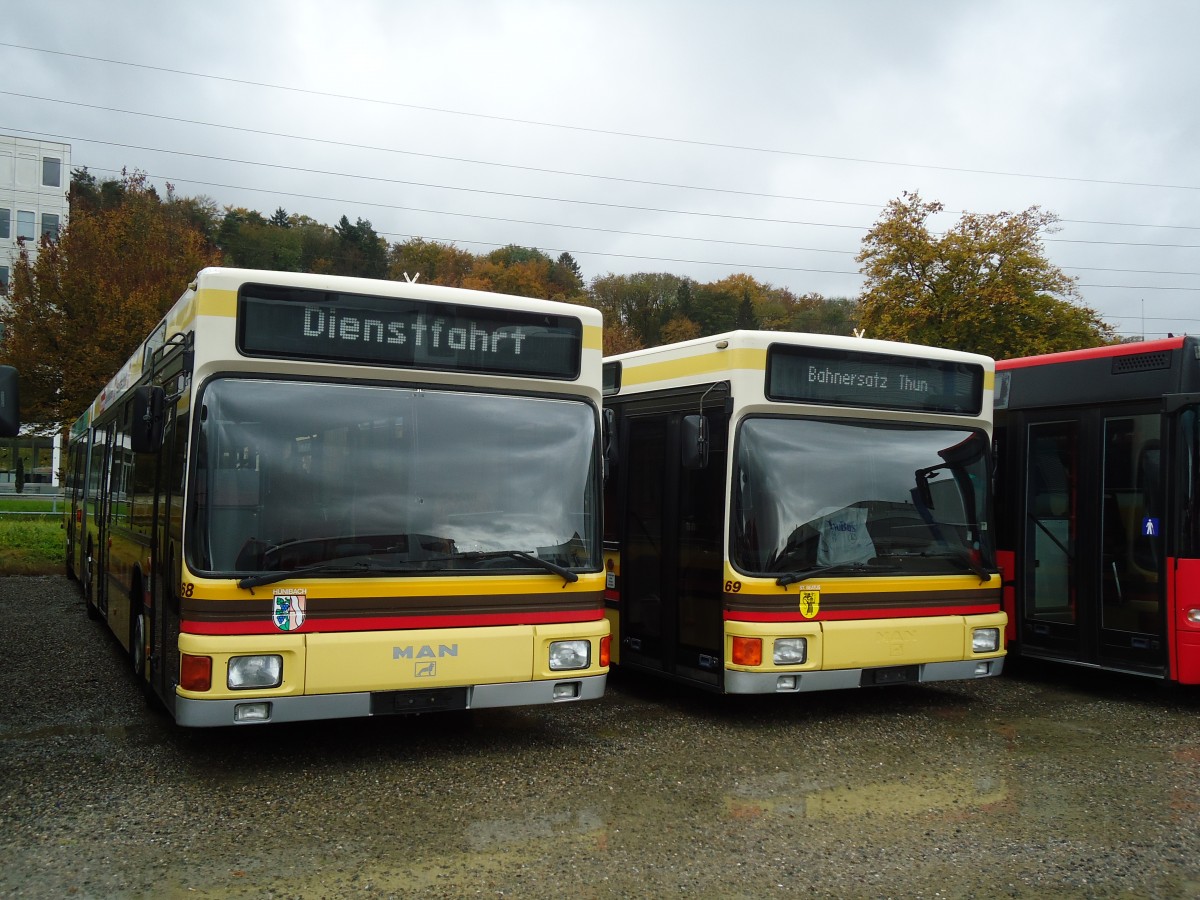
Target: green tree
[715, 306]
[360, 250]
[319, 244]
[86, 193]
[76, 312]
[644, 303]
[566, 278]
[985, 285]
[816, 314]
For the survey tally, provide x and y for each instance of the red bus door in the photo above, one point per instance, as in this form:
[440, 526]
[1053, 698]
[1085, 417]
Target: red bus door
[1095, 572]
[1183, 549]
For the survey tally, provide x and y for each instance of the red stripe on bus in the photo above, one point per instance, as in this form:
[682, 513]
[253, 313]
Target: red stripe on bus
[392, 623]
[1183, 637]
[1131, 349]
[863, 614]
[1006, 560]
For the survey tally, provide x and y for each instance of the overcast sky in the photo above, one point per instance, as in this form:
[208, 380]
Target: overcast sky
[692, 137]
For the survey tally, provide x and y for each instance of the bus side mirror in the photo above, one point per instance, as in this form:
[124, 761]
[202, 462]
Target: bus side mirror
[695, 442]
[10, 406]
[609, 438]
[146, 431]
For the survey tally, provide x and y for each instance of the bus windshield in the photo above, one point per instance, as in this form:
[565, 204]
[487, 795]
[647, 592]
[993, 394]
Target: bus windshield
[295, 475]
[858, 496]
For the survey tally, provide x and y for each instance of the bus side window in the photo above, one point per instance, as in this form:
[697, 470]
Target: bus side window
[1188, 467]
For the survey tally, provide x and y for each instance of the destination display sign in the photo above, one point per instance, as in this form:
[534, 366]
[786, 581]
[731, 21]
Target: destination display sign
[876, 380]
[276, 321]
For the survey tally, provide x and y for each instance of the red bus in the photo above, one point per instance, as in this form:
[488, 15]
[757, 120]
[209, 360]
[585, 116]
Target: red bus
[1098, 506]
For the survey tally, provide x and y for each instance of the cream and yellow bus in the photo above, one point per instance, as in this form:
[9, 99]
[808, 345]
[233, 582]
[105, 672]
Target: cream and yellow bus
[797, 512]
[311, 497]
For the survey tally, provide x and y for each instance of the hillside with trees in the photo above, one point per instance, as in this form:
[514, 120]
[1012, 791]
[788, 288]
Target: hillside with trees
[75, 313]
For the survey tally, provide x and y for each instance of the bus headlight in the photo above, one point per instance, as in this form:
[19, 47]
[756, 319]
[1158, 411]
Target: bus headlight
[985, 640]
[1193, 616]
[790, 651]
[570, 655]
[247, 672]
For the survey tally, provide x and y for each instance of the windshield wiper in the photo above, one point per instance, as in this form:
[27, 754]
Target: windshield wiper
[331, 567]
[843, 568]
[565, 574]
[962, 558]
[367, 567]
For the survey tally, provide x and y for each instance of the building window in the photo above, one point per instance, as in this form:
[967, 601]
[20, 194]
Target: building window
[4, 279]
[51, 171]
[5, 224]
[25, 227]
[50, 226]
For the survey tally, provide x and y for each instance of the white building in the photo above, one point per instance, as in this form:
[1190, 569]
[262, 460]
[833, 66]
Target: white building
[35, 180]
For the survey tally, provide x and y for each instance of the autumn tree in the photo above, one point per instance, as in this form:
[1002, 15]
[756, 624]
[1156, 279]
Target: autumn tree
[985, 285]
[619, 338]
[523, 271]
[430, 262]
[77, 311]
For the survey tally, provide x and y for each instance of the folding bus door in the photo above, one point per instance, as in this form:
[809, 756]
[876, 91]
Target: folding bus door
[1093, 567]
[671, 554]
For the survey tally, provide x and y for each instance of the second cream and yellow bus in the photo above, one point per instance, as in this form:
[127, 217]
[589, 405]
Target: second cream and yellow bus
[794, 512]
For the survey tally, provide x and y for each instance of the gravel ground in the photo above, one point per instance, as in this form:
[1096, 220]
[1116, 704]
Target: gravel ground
[1022, 786]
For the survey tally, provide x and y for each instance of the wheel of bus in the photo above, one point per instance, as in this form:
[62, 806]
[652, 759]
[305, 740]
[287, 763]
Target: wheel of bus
[139, 654]
[89, 589]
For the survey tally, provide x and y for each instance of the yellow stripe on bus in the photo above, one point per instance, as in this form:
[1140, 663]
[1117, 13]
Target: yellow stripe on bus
[849, 584]
[213, 302]
[718, 361]
[593, 337]
[352, 588]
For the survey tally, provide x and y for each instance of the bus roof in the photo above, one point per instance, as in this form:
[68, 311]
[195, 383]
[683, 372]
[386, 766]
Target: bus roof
[761, 340]
[214, 292]
[1106, 352]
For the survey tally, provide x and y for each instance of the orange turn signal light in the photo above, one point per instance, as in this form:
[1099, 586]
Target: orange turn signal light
[195, 672]
[747, 651]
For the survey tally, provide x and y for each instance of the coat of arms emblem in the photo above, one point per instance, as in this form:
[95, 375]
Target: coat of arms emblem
[289, 608]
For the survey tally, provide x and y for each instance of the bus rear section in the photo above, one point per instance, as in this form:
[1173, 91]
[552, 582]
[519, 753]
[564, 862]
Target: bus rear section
[321, 497]
[794, 513]
[1098, 467]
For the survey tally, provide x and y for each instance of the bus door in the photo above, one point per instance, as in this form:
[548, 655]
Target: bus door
[671, 551]
[76, 490]
[164, 610]
[1182, 480]
[99, 514]
[1094, 572]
